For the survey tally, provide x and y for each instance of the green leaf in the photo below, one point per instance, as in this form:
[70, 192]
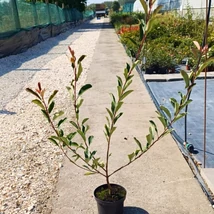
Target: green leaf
[191, 86]
[61, 133]
[145, 7]
[87, 128]
[120, 81]
[61, 121]
[185, 77]
[119, 90]
[79, 102]
[86, 167]
[119, 104]
[127, 67]
[151, 132]
[135, 63]
[138, 143]
[52, 96]
[76, 157]
[90, 173]
[175, 105]
[81, 59]
[79, 70]
[137, 152]
[110, 114]
[58, 114]
[125, 73]
[192, 75]
[204, 65]
[185, 104]
[179, 116]
[56, 138]
[112, 130]
[131, 156]
[74, 144]
[157, 9]
[81, 134]
[132, 41]
[126, 94]
[70, 91]
[150, 24]
[149, 140]
[84, 120]
[108, 121]
[74, 124]
[53, 141]
[96, 163]
[183, 97]
[90, 138]
[51, 106]
[113, 98]
[141, 27]
[86, 153]
[112, 106]
[127, 84]
[81, 146]
[129, 77]
[117, 117]
[92, 154]
[45, 115]
[65, 141]
[84, 88]
[39, 103]
[83, 129]
[163, 121]
[107, 130]
[33, 92]
[154, 126]
[166, 111]
[71, 135]
[167, 132]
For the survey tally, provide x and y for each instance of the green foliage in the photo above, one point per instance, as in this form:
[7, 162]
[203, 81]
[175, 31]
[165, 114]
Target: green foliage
[118, 19]
[108, 4]
[78, 4]
[129, 40]
[115, 6]
[173, 34]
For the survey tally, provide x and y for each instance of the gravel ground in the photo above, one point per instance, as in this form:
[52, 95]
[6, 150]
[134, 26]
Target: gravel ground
[29, 164]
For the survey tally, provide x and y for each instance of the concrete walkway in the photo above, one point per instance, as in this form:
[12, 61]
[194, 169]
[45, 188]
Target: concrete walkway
[161, 182]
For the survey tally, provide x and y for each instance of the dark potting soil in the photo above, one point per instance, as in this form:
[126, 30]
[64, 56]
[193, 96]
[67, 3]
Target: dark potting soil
[117, 193]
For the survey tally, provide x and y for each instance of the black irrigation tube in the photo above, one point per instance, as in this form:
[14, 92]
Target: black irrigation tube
[179, 142]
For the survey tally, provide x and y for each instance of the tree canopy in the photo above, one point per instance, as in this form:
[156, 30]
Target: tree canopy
[116, 6]
[108, 4]
[78, 4]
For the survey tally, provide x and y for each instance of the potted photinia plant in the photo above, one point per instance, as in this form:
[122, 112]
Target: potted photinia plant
[110, 197]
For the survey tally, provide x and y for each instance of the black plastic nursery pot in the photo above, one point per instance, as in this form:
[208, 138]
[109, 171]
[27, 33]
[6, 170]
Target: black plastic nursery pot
[113, 205]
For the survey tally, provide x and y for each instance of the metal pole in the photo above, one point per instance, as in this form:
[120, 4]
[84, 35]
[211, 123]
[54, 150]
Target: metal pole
[205, 89]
